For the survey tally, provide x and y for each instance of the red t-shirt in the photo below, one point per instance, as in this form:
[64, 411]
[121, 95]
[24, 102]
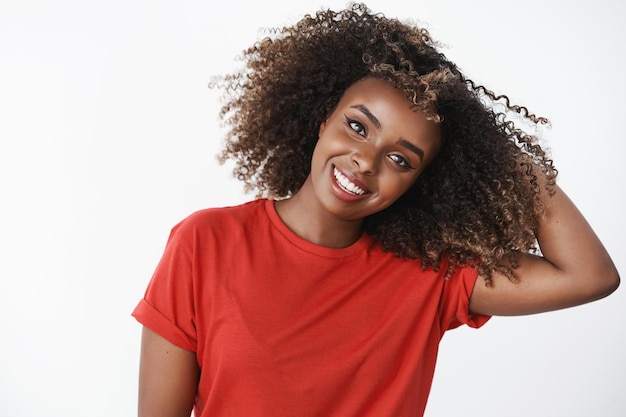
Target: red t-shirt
[283, 328]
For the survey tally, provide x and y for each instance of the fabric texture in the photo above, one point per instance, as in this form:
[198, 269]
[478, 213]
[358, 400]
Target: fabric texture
[282, 327]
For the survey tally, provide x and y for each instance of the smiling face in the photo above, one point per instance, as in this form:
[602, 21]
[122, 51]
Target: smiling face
[370, 150]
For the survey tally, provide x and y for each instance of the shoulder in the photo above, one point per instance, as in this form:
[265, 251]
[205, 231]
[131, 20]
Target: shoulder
[217, 223]
[457, 291]
[219, 217]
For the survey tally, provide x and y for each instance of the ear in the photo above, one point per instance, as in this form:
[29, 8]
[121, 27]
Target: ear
[322, 128]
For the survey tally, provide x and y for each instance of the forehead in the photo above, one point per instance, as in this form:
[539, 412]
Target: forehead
[372, 86]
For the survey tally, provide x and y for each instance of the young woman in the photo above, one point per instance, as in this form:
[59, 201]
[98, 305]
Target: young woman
[394, 204]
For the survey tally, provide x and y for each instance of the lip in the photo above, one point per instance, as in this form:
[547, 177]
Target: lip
[340, 192]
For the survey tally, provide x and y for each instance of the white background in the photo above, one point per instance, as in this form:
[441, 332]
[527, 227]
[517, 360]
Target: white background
[107, 138]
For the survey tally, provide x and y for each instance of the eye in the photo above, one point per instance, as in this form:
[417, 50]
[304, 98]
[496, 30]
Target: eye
[356, 126]
[400, 161]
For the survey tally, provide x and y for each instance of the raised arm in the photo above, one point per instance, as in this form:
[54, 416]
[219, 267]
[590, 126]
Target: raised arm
[575, 268]
[168, 378]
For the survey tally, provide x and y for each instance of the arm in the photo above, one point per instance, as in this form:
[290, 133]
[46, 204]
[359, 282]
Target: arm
[575, 268]
[168, 378]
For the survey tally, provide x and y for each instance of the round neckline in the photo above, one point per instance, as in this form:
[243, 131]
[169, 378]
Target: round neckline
[361, 244]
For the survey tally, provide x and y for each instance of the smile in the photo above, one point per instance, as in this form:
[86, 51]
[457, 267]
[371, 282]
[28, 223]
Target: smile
[347, 185]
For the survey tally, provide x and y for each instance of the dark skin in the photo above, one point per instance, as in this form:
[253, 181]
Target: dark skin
[168, 378]
[372, 148]
[575, 268]
[376, 142]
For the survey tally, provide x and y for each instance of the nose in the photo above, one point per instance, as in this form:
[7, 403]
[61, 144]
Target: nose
[365, 159]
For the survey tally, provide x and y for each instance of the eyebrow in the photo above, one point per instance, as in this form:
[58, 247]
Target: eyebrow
[410, 146]
[368, 114]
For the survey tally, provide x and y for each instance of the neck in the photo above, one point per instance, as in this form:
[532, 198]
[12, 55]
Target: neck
[303, 216]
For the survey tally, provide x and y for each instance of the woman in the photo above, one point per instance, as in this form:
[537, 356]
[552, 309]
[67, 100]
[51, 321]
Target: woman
[394, 204]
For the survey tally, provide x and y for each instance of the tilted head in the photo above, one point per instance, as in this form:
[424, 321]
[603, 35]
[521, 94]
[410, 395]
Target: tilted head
[476, 201]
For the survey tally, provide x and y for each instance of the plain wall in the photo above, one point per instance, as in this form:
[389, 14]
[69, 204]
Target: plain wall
[107, 138]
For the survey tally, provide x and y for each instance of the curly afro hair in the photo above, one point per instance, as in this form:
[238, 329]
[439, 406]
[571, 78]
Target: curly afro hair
[476, 204]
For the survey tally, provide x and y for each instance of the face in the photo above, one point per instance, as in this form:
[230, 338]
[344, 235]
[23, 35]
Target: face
[370, 150]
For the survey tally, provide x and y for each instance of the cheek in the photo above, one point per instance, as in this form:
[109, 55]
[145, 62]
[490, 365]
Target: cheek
[320, 157]
[395, 187]
[329, 145]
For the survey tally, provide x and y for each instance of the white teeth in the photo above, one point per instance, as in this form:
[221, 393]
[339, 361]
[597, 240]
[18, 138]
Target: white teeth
[346, 184]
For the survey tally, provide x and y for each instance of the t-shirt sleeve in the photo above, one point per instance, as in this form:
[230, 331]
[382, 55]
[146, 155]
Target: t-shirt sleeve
[168, 304]
[455, 303]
